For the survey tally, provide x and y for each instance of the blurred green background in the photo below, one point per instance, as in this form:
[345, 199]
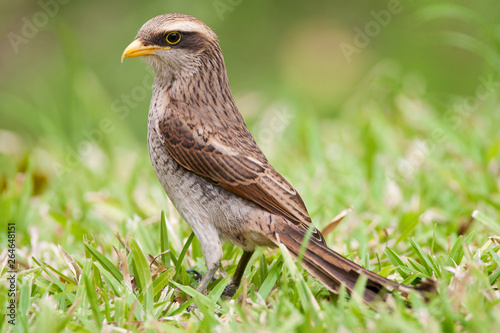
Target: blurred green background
[68, 74]
[352, 106]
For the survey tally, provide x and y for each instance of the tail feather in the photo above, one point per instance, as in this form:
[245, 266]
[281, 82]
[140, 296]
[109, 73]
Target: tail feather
[332, 269]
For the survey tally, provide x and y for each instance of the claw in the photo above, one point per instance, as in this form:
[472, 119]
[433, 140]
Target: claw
[197, 274]
[230, 290]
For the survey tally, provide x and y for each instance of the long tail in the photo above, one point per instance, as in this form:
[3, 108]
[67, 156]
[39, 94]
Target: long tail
[332, 269]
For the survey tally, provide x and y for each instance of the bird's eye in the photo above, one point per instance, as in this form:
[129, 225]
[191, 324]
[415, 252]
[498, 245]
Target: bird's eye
[173, 38]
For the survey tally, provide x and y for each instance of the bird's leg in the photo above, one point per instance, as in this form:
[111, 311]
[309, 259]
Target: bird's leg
[211, 247]
[231, 288]
[242, 265]
[207, 278]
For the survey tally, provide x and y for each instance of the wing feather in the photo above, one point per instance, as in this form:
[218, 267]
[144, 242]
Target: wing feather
[242, 169]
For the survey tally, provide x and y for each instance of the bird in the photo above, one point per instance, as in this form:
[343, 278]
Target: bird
[213, 170]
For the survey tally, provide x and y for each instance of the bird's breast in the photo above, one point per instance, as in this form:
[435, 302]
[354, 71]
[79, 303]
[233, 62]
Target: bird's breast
[204, 205]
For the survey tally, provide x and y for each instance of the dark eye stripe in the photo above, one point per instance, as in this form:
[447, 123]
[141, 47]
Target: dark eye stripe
[189, 40]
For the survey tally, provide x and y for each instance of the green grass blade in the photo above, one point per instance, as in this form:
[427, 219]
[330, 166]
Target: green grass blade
[91, 294]
[108, 265]
[271, 278]
[164, 244]
[161, 281]
[180, 259]
[487, 221]
[143, 275]
[110, 280]
[217, 291]
[496, 273]
[197, 296]
[425, 260]
[396, 261]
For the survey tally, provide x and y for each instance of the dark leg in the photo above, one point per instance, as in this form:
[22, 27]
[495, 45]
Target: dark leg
[242, 265]
[238, 274]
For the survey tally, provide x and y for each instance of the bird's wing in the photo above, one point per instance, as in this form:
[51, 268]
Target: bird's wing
[234, 162]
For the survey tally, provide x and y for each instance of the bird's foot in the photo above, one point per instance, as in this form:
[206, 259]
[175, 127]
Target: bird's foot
[197, 275]
[230, 290]
[192, 307]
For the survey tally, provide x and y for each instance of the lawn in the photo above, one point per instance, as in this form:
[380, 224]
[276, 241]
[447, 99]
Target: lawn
[400, 133]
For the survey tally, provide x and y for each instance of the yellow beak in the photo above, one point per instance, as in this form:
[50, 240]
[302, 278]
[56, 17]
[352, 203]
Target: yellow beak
[137, 48]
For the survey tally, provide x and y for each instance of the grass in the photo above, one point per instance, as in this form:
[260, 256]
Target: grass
[440, 220]
[100, 248]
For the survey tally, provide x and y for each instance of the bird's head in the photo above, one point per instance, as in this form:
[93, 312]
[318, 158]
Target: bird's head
[175, 46]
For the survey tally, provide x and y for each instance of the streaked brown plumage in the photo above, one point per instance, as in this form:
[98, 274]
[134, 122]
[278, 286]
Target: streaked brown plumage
[211, 167]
